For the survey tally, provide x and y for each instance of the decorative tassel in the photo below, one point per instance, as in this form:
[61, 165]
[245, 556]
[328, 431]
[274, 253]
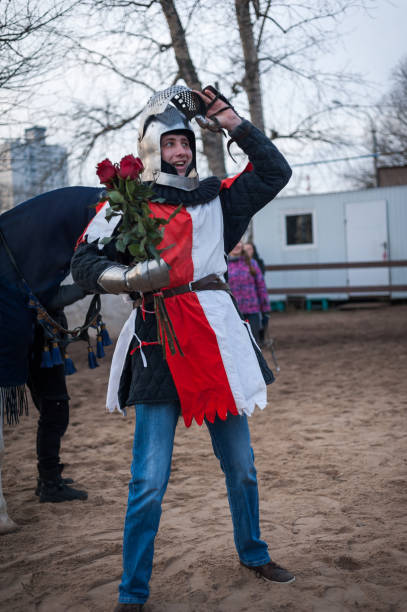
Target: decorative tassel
[99, 347]
[69, 366]
[106, 341]
[92, 359]
[56, 356]
[46, 361]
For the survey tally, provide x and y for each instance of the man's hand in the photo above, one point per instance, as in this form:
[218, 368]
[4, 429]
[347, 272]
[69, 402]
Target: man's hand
[227, 117]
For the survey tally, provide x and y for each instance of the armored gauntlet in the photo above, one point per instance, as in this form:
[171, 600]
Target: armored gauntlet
[143, 277]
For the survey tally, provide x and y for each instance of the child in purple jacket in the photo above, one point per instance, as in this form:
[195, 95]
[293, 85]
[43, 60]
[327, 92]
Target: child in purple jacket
[248, 287]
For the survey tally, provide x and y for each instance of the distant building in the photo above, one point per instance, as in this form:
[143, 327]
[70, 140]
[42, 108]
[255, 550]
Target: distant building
[303, 237]
[29, 167]
[394, 175]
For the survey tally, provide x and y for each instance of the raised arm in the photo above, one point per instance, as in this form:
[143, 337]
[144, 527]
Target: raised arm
[250, 191]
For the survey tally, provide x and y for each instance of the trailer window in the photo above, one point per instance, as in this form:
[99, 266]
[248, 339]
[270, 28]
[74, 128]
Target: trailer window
[299, 229]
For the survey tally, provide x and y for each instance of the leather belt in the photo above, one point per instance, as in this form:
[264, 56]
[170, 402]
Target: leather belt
[207, 283]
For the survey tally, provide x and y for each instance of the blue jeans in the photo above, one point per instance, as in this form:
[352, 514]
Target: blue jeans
[150, 470]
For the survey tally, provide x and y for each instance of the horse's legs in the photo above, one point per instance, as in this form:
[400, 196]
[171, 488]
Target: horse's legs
[6, 524]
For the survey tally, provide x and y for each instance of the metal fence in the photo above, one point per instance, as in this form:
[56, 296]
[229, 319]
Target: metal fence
[336, 289]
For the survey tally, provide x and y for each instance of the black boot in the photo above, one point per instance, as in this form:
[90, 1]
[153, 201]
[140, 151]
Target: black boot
[66, 481]
[61, 467]
[53, 489]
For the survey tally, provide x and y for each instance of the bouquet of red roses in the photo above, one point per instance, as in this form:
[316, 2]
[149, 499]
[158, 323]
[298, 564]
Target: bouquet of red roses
[139, 232]
[128, 196]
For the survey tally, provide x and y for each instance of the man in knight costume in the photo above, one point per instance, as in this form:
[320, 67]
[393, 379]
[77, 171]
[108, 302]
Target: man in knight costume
[219, 376]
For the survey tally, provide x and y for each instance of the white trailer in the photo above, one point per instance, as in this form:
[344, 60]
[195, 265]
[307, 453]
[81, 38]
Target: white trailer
[315, 243]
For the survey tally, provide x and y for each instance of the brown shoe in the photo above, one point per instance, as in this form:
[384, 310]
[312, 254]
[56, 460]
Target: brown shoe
[128, 607]
[273, 572]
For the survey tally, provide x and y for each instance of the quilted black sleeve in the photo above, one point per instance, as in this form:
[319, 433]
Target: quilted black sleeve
[87, 265]
[66, 295]
[252, 190]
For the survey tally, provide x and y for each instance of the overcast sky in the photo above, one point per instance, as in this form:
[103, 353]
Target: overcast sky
[374, 43]
[371, 44]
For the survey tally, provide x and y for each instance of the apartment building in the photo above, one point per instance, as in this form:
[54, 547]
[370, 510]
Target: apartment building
[29, 166]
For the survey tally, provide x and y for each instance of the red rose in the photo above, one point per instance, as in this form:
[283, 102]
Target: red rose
[106, 172]
[130, 167]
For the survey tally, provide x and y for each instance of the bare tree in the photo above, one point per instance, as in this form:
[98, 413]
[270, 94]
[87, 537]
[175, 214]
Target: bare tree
[264, 55]
[281, 44]
[392, 129]
[30, 55]
[28, 46]
[251, 79]
[212, 142]
[387, 126]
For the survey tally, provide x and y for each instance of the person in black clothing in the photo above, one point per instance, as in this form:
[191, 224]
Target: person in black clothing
[49, 393]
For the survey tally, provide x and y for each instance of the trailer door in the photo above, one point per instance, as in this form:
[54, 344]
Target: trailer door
[367, 240]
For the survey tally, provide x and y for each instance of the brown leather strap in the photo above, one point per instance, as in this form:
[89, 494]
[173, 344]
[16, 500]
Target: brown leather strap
[210, 282]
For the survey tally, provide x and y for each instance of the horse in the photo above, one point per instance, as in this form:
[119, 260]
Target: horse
[37, 241]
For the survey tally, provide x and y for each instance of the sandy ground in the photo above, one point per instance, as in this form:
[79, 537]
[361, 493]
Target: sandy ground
[331, 456]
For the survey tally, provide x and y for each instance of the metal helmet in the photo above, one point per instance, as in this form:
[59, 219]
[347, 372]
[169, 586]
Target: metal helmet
[159, 117]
